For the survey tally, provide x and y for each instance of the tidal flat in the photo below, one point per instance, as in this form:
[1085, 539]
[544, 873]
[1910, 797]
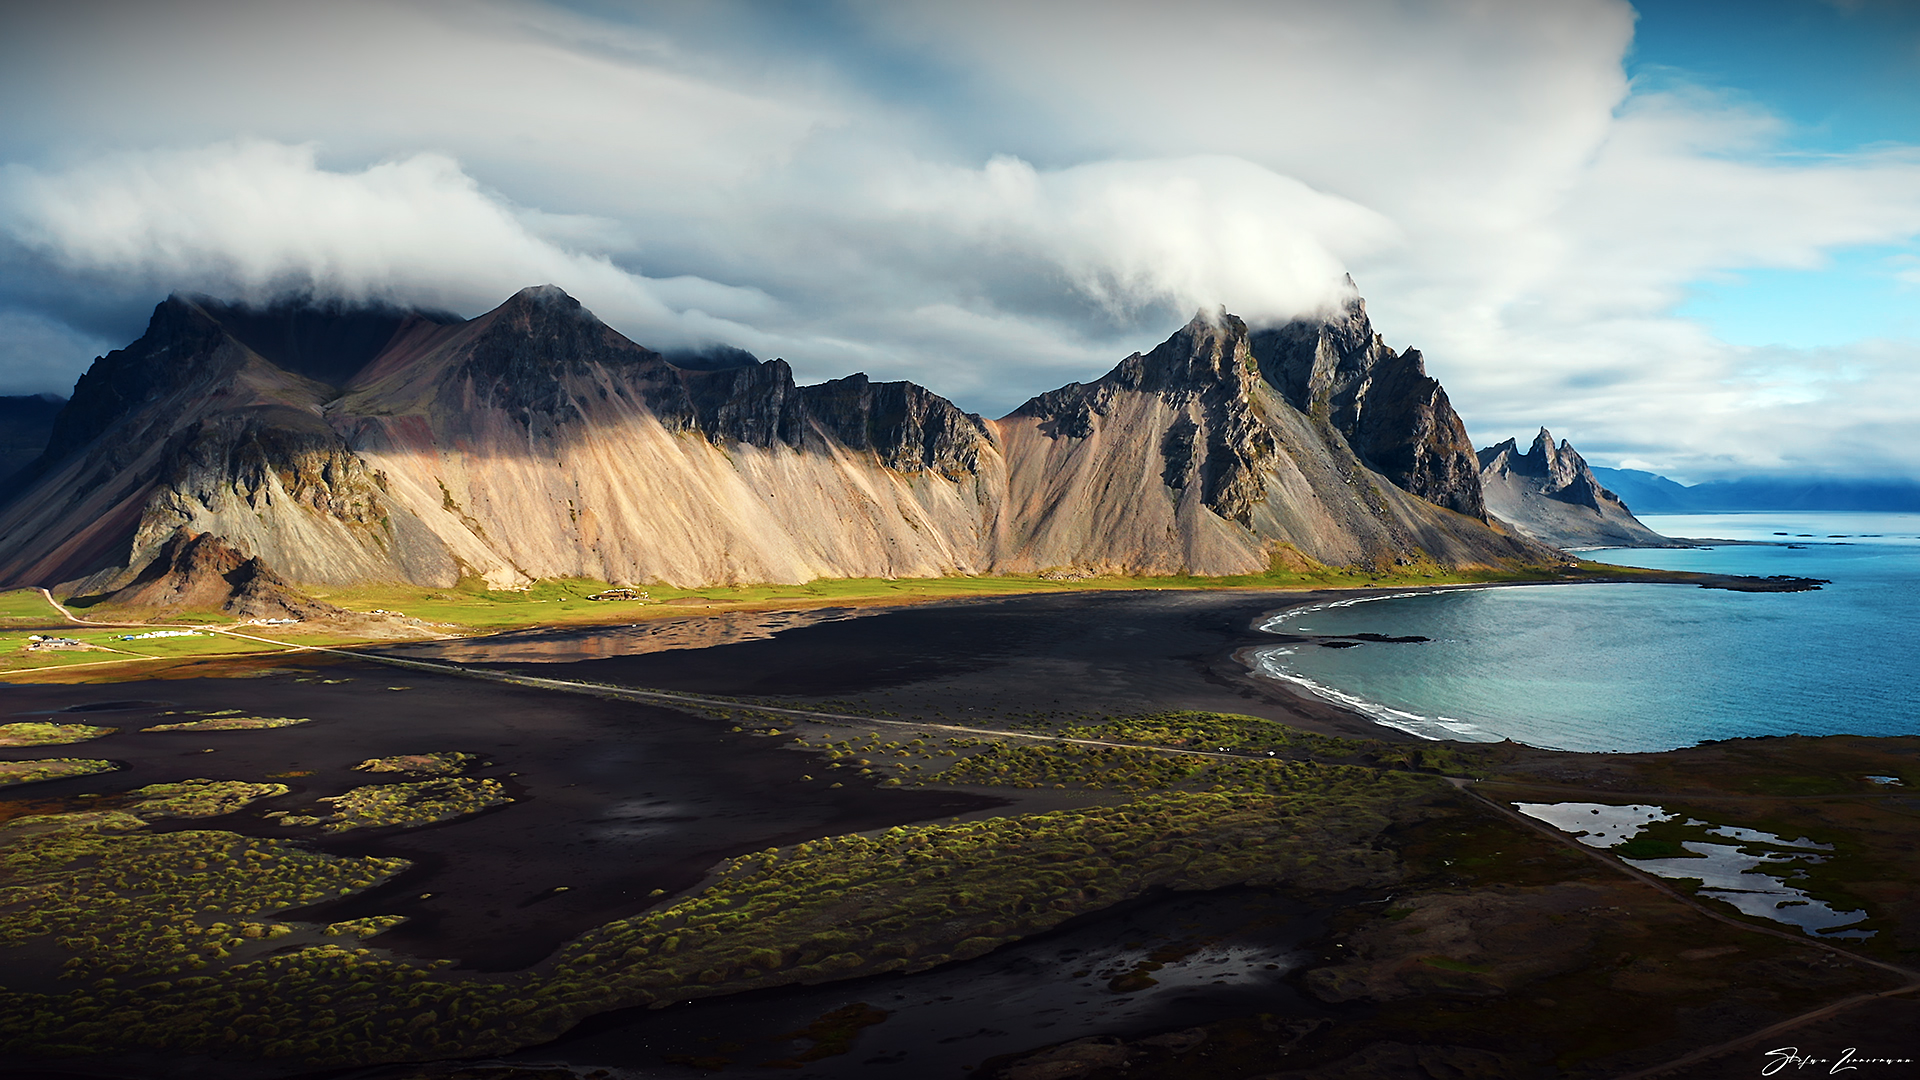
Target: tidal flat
[850, 861]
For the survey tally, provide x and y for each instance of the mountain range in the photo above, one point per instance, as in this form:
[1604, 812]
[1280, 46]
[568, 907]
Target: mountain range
[336, 444]
[1652, 493]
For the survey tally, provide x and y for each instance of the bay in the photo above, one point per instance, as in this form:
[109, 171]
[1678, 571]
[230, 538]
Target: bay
[1630, 667]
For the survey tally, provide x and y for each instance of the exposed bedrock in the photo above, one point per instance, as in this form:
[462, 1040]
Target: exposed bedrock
[202, 572]
[1397, 419]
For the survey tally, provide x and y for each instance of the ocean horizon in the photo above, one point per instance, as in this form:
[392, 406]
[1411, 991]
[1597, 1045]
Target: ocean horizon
[1643, 667]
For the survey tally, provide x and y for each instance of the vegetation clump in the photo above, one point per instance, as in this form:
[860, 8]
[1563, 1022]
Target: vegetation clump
[231, 723]
[1233, 733]
[1219, 732]
[40, 734]
[28, 772]
[403, 805]
[365, 928]
[199, 798]
[441, 764]
[129, 907]
[1095, 767]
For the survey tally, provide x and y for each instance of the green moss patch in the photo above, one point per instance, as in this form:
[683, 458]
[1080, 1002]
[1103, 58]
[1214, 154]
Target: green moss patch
[403, 805]
[367, 927]
[440, 764]
[199, 798]
[28, 772]
[231, 723]
[133, 906]
[38, 734]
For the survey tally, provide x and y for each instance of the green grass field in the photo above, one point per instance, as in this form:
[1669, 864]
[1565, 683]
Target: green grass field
[108, 647]
[473, 607]
[26, 607]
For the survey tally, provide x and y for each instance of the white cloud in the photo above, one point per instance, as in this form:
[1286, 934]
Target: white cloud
[255, 219]
[1194, 232]
[991, 198]
[1577, 330]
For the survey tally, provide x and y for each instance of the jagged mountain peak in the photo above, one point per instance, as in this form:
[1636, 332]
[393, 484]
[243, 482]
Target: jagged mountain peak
[547, 310]
[1210, 351]
[1333, 366]
[543, 299]
[1549, 493]
[543, 294]
[519, 350]
[1560, 467]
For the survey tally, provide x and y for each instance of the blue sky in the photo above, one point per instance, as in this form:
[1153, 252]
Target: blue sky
[1840, 77]
[1683, 235]
[1844, 74]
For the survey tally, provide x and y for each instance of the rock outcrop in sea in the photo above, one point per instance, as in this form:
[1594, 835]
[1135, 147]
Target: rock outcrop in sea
[1549, 494]
[341, 445]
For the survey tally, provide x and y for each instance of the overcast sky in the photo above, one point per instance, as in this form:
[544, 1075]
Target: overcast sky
[1686, 237]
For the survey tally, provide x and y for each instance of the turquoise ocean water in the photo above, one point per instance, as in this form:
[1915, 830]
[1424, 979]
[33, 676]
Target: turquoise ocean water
[1647, 667]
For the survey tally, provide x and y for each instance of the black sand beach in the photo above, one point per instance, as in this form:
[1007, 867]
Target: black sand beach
[1112, 653]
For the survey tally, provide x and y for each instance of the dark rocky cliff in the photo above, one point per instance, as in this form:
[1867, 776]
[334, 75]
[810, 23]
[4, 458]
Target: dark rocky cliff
[1190, 458]
[538, 339]
[908, 427]
[1397, 418]
[181, 353]
[1337, 371]
[1205, 364]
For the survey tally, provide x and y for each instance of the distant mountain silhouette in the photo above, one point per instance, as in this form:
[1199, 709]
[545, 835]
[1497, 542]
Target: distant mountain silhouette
[1650, 493]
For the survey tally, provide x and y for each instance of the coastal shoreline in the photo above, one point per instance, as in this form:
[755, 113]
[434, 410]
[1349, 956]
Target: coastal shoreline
[718, 650]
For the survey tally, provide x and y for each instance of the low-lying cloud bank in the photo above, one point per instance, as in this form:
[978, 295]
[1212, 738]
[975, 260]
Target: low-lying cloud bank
[990, 199]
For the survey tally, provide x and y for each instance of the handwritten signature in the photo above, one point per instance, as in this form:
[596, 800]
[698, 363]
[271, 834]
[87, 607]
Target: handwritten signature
[1849, 1060]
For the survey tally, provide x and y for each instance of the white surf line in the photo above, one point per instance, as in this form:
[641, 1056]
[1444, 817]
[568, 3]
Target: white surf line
[567, 686]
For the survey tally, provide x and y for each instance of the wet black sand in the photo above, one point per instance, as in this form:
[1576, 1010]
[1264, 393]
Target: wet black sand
[613, 799]
[1225, 953]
